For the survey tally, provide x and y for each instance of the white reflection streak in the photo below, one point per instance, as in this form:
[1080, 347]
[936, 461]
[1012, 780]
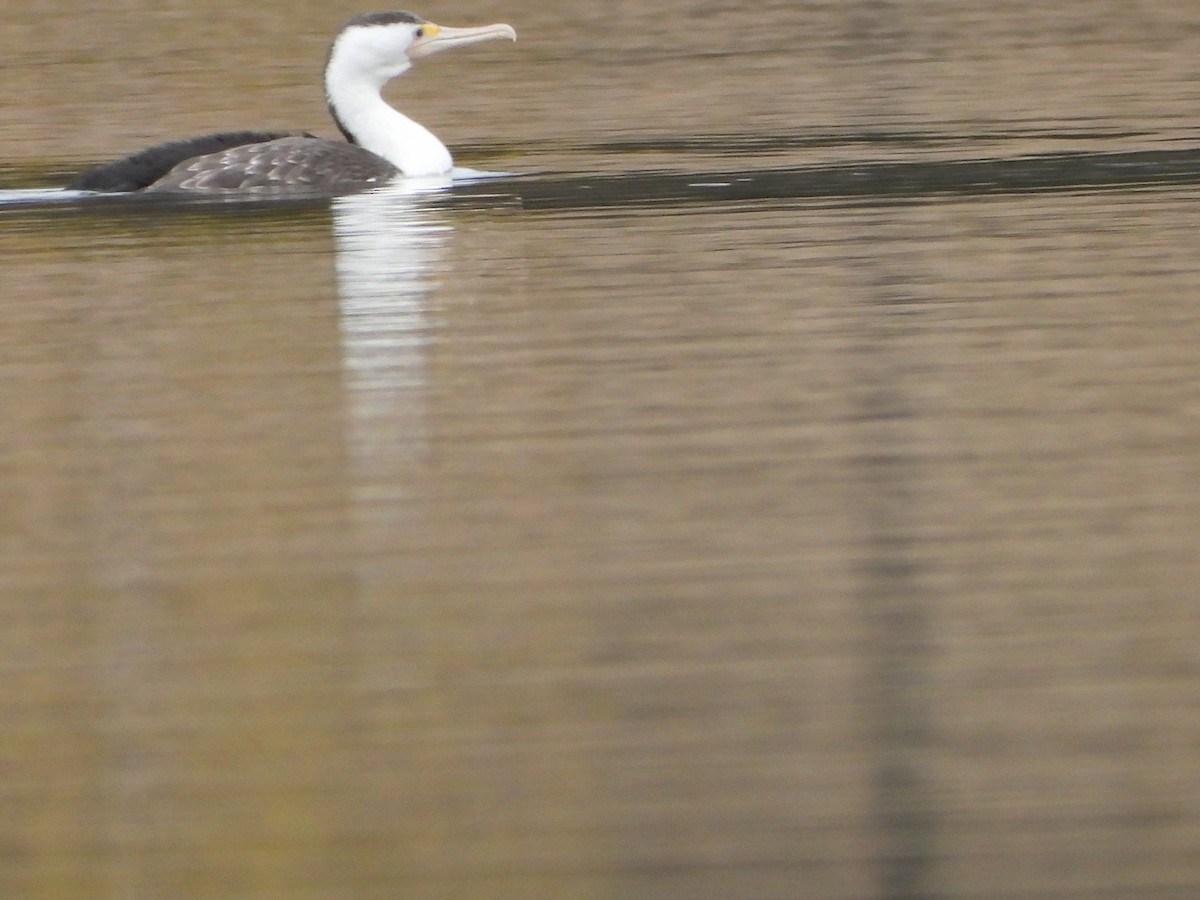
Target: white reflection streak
[388, 247]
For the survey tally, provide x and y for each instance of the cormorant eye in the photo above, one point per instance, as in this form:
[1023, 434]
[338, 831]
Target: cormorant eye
[420, 32]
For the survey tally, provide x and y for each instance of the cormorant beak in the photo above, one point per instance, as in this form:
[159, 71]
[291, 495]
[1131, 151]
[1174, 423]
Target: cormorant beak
[435, 38]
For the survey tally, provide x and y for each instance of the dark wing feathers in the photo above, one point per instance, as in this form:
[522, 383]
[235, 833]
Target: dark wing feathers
[285, 165]
[143, 169]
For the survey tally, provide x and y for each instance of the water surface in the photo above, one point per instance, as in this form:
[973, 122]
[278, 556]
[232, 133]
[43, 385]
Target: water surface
[784, 485]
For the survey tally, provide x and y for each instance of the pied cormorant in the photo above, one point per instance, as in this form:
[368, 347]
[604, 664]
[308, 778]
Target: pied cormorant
[381, 142]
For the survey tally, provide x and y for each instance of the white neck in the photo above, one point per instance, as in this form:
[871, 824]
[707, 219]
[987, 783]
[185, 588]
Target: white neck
[353, 96]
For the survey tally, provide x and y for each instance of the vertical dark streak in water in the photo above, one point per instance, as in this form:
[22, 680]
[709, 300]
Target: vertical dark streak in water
[894, 602]
[895, 609]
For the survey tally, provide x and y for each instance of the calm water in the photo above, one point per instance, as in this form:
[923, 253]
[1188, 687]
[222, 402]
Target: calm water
[786, 485]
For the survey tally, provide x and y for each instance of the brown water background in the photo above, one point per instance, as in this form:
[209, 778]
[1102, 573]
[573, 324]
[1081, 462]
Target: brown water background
[606, 532]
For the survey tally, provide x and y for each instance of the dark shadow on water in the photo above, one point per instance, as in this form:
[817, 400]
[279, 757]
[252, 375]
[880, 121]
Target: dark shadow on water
[883, 182]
